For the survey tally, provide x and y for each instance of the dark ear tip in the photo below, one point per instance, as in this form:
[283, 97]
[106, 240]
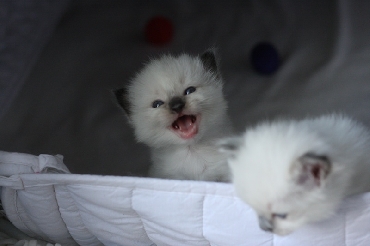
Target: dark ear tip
[209, 61]
[209, 54]
[121, 97]
[118, 92]
[115, 91]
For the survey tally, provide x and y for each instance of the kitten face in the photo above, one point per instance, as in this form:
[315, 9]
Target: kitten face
[175, 100]
[279, 170]
[291, 209]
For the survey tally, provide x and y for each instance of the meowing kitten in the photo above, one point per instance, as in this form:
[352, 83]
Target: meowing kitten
[295, 172]
[176, 107]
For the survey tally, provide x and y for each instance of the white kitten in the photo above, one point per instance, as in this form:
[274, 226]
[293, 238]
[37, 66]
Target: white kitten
[176, 106]
[295, 172]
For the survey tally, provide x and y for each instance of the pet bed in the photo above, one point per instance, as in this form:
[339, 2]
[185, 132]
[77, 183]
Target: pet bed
[45, 201]
[65, 106]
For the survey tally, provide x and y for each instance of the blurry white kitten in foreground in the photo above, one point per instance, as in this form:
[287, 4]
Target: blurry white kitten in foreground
[295, 172]
[177, 107]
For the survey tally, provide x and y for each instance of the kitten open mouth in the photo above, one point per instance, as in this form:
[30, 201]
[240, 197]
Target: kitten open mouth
[186, 126]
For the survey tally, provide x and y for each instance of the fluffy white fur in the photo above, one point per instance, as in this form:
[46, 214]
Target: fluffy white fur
[296, 172]
[165, 79]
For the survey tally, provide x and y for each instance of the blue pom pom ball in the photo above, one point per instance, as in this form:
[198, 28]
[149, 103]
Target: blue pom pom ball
[265, 58]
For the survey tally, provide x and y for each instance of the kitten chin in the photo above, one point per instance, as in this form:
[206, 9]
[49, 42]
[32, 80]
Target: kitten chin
[176, 106]
[296, 172]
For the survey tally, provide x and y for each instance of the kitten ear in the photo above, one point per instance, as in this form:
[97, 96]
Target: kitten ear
[122, 99]
[230, 146]
[311, 170]
[209, 61]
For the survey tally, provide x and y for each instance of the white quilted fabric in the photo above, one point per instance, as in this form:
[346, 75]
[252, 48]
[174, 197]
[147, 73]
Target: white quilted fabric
[107, 210]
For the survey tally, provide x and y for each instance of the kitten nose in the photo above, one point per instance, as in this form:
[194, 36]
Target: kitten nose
[177, 104]
[265, 224]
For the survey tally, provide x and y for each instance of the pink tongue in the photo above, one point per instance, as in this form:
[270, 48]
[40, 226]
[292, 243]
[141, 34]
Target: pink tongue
[185, 126]
[185, 123]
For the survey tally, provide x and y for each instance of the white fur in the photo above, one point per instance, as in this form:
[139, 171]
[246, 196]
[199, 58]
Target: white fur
[174, 157]
[265, 163]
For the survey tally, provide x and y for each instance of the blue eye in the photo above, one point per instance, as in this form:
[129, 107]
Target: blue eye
[157, 103]
[280, 216]
[189, 90]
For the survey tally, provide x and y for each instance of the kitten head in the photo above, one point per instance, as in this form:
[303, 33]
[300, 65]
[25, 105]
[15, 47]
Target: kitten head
[175, 100]
[281, 171]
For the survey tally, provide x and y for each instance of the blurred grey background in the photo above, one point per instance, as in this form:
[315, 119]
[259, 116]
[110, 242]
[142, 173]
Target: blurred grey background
[59, 61]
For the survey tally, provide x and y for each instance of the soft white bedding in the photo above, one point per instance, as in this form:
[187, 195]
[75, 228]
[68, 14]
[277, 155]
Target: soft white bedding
[108, 210]
[65, 107]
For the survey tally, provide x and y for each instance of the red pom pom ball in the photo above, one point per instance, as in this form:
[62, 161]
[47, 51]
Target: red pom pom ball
[159, 30]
